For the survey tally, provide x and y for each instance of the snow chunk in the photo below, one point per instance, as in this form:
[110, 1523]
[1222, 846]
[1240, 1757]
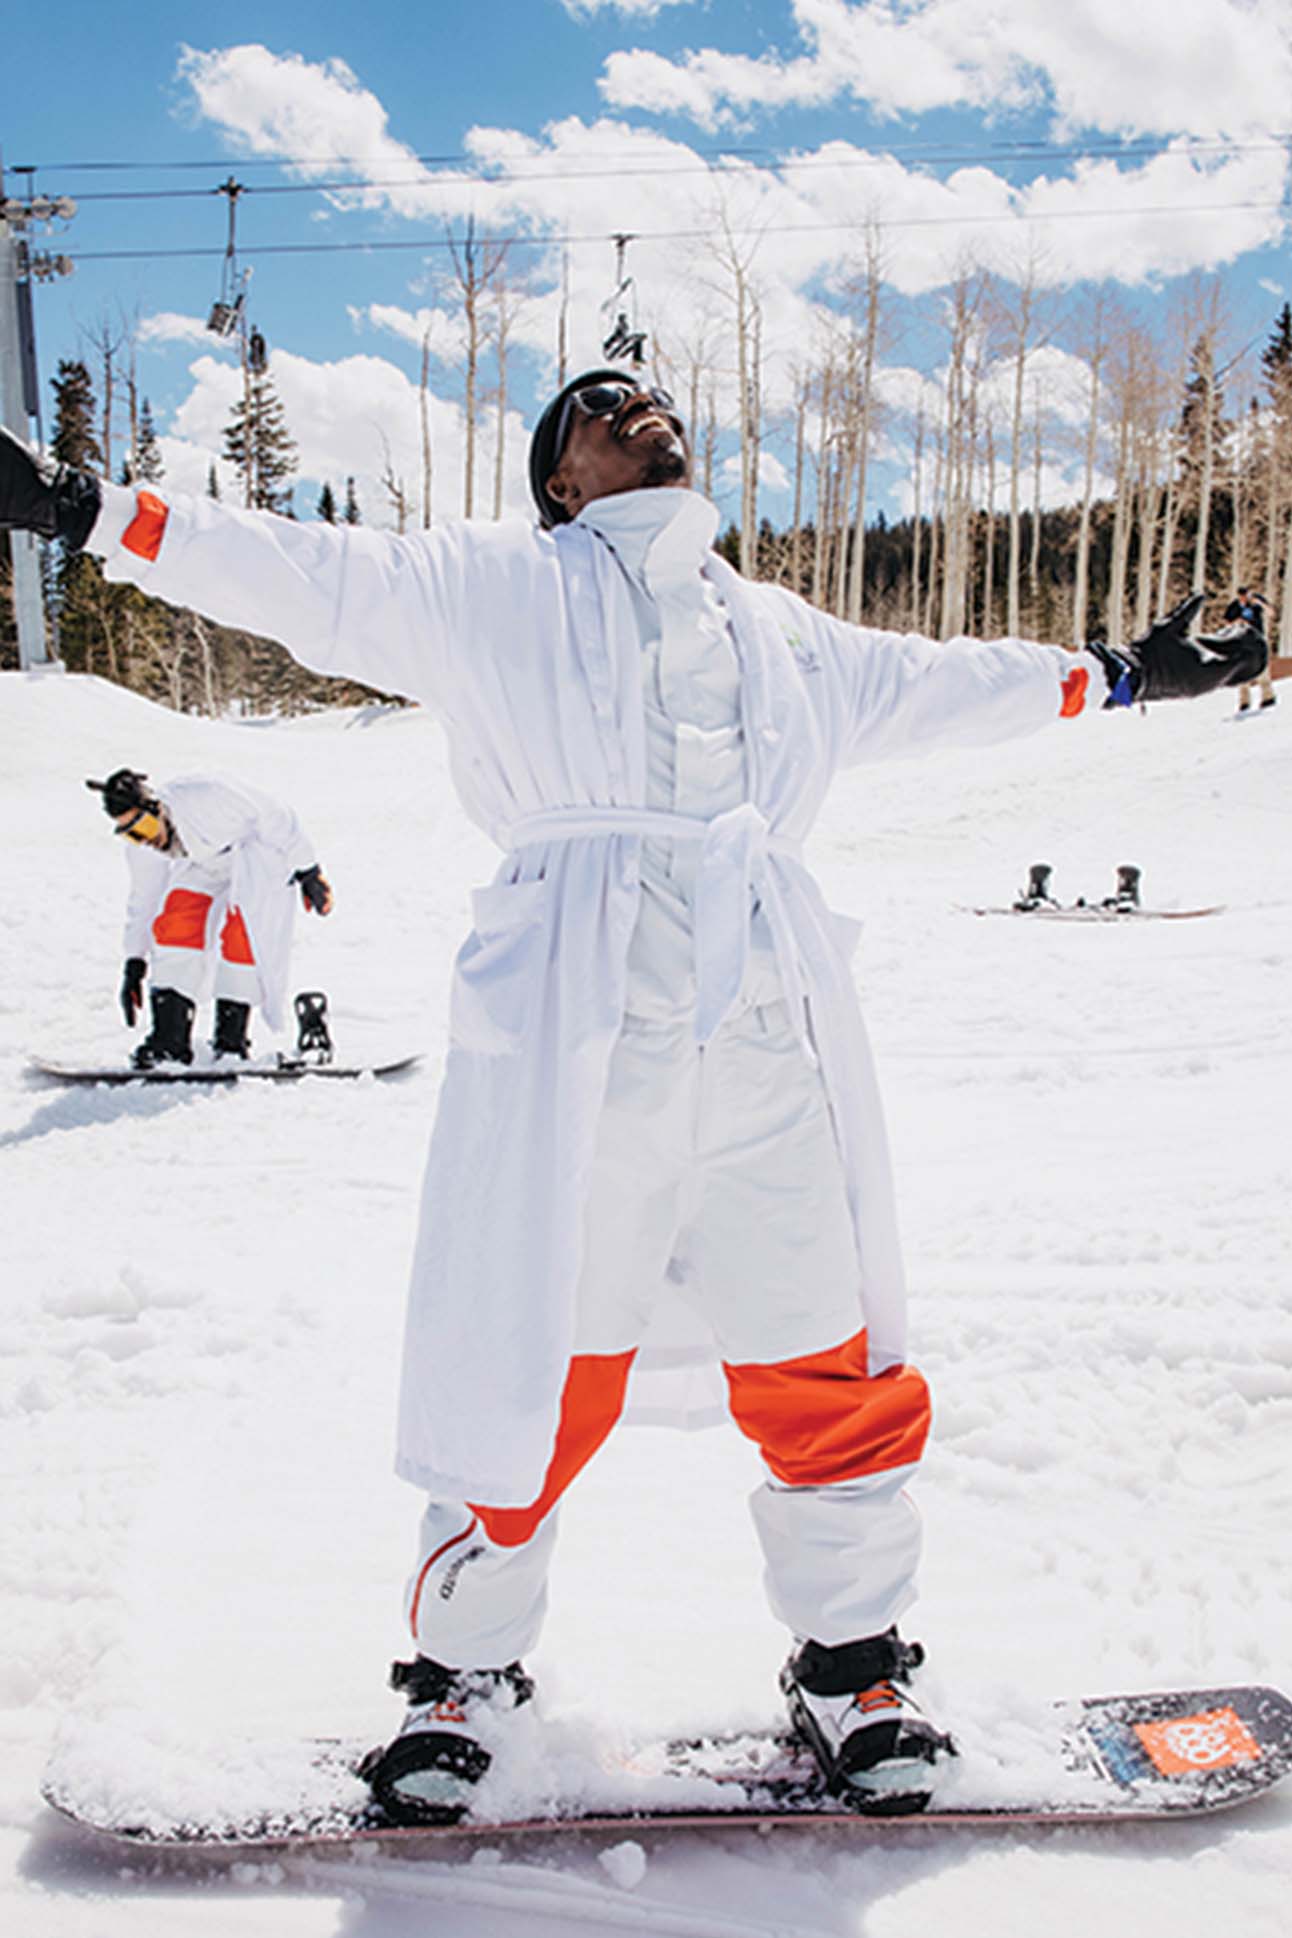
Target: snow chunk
[625, 1864]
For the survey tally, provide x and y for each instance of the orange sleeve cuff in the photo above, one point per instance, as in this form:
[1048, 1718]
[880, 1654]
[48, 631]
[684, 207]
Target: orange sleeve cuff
[1074, 693]
[143, 535]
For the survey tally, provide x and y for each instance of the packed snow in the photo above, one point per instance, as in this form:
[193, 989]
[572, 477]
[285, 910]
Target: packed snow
[203, 1544]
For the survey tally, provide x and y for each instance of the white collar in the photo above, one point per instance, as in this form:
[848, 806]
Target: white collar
[660, 533]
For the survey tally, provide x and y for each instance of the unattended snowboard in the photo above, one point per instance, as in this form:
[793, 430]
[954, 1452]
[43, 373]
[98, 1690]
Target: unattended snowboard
[1098, 1760]
[287, 1071]
[1100, 912]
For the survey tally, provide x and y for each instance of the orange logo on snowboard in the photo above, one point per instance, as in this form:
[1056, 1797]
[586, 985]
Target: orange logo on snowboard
[1187, 1744]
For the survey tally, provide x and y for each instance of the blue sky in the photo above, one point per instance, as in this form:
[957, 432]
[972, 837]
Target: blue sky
[1137, 149]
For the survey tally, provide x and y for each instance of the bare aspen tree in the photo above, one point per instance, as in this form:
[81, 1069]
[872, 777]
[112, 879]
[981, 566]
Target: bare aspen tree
[1206, 361]
[203, 639]
[1093, 347]
[107, 339]
[965, 303]
[563, 320]
[393, 486]
[1126, 388]
[802, 395]
[1034, 551]
[475, 265]
[937, 523]
[917, 514]
[508, 300]
[1018, 320]
[989, 559]
[424, 420]
[820, 549]
[734, 256]
[866, 294]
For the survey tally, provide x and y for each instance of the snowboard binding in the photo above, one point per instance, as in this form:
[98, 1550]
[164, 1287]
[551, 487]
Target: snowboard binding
[313, 1038]
[1037, 893]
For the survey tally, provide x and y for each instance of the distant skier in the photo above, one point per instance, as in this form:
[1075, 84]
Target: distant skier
[658, 1084]
[1248, 608]
[215, 867]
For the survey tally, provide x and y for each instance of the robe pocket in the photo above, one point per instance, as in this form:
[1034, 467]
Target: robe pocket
[498, 973]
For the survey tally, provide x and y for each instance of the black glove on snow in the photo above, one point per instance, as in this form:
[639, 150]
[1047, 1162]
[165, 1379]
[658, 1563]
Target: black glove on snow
[1166, 664]
[37, 495]
[132, 988]
[316, 891]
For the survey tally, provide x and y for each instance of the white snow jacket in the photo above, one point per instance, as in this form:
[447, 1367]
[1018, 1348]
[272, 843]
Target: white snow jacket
[524, 642]
[240, 837]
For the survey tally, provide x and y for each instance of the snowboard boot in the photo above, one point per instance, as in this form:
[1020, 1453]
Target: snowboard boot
[1037, 893]
[849, 1704]
[170, 1040]
[427, 1774]
[313, 1039]
[232, 1024]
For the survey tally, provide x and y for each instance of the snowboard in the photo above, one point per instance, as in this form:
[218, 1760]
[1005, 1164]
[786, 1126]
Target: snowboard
[1098, 1760]
[284, 1070]
[1102, 912]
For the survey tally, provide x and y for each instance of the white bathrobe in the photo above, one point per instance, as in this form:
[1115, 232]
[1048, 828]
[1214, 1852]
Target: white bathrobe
[525, 644]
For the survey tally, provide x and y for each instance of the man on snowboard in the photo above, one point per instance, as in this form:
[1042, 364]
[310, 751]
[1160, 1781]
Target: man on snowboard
[659, 1136]
[214, 869]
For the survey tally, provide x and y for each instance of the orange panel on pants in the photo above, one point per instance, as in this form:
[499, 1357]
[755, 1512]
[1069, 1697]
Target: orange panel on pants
[181, 924]
[823, 1418]
[591, 1402]
[817, 1420]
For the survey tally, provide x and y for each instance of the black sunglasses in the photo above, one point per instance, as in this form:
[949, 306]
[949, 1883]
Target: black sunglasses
[603, 400]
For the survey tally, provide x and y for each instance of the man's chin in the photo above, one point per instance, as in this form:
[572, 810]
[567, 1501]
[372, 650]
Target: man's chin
[667, 464]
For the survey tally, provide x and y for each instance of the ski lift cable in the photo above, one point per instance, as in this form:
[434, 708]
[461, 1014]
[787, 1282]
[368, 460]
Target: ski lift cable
[387, 245]
[450, 176]
[1024, 146]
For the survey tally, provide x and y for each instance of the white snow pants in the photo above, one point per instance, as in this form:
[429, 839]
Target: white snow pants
[197, 920]
[724, 1157]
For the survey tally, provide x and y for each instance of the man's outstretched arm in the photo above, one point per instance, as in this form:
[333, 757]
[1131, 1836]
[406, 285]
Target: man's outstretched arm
[342, 600]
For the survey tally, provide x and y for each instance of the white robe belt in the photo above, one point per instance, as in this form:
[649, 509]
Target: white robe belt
[733, 850]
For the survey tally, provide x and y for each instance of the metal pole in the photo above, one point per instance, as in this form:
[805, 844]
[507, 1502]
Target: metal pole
[28, 595]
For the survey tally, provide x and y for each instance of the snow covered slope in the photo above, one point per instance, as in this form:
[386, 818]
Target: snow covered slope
[202, 1298]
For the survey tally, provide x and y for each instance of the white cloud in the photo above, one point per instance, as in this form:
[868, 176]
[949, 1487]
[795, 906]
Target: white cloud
[634, 9]
[1156, 67]
[168, 326]
[772, 475]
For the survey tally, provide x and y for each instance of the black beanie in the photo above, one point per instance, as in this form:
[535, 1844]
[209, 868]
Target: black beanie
[122, 791]
[543, 454]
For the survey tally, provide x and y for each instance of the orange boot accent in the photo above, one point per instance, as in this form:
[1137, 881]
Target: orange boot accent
[823, 1418]
[592, 1400]
[182, 921]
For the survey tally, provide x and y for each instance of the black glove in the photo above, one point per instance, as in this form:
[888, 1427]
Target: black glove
[1166, 664]
[316, 891]
[132, 988]
[37, 495]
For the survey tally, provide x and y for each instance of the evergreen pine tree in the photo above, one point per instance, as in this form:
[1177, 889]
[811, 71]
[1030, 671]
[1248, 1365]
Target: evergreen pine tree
[327, 505]
[149, 468]
[1276, 362]
[351, 515]
[212, 481]
[260, 447]
[74, 441]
